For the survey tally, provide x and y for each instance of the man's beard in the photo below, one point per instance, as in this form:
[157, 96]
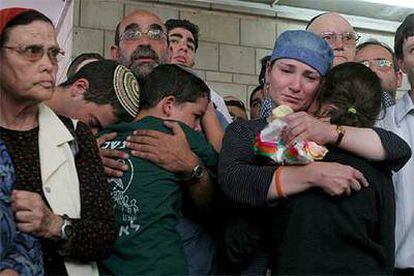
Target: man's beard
[143, 69]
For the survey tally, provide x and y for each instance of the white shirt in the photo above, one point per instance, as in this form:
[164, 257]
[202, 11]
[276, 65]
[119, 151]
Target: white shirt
[400, 120]
[220, 105]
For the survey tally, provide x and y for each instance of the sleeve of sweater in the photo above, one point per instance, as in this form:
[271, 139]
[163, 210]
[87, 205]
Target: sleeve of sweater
[242, 179]
[94, 233]
[398, 151]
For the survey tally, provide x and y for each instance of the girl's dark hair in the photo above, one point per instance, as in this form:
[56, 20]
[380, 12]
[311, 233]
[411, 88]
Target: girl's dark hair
[25, 18]
[355, 92]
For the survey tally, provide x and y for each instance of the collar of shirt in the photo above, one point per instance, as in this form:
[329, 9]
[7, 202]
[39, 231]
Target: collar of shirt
[387, 99]
[404, 107]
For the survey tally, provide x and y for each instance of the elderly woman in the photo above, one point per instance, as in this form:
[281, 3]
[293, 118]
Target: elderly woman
[60, 193]
[297, 66]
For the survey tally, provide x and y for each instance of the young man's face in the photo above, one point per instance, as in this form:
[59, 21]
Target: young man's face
[407, 62]
[181, 47]
[96, 116]
[256, 104]
[190, 113]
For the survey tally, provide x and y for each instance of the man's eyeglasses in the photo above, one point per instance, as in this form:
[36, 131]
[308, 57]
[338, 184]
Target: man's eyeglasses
[381, 64]
[348, 38]
[154, 33]
[35, 53]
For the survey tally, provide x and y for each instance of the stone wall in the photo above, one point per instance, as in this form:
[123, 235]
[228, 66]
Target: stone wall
[231, 43]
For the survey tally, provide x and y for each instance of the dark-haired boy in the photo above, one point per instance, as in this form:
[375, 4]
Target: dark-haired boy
[183, 44]
[147, 199]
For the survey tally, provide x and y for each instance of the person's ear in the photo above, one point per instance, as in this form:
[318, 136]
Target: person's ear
[79, 88]
[170, 53]
[115, 52]
[399, 77]
[266, 81]
[400, 63]
[168, 105]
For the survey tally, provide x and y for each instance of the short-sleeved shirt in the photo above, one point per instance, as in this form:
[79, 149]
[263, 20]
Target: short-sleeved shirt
[147, 203]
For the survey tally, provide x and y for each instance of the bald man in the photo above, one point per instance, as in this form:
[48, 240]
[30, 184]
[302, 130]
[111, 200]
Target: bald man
[140, 42]
[338, 32]
[141, 45]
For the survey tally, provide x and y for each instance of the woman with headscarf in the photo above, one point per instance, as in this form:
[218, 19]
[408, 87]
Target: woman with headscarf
[295, 72]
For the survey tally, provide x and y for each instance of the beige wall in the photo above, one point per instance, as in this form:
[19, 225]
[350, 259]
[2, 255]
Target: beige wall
[231, 43]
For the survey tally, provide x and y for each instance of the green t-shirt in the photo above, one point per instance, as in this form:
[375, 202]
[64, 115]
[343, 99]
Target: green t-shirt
[147, 204]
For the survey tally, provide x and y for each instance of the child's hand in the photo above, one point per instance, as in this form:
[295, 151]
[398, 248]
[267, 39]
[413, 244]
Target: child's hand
[306, 127]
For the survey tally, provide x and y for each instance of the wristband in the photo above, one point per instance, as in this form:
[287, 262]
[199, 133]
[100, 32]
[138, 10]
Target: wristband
[341, 132]
[279, 189]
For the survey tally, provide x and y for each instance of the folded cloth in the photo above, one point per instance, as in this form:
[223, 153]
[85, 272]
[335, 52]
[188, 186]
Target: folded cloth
[269, 144]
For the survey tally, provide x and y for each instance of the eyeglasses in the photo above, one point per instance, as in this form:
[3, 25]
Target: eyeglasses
[380, 64]
[348, 38]
[155, 33]
[35, 53]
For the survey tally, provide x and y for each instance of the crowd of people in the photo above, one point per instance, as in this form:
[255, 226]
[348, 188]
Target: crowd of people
[135, 166]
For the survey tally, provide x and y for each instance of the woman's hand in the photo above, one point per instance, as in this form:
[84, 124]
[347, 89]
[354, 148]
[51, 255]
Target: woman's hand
[33, 216]
[337, 179]
[306, 127]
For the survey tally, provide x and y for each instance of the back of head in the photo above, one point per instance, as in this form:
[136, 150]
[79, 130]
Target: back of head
[405, 30]
[354, 92]
[110, 83]
[305, 47]
[172, 80]
[185, 24]
[13, 17]
[81, 60]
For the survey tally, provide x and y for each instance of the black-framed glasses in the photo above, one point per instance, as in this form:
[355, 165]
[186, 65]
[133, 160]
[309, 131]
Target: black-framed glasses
[380, 64]
[347, 38]
[35, 53]
[155, 33]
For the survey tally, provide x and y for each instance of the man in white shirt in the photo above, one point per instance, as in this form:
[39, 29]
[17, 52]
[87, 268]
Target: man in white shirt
[183, 44]
[400, 119]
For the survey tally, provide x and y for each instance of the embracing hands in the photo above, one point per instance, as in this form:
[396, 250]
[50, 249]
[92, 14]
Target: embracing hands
[306, 127]
[110, 157]
[337, 179]
[170, 151]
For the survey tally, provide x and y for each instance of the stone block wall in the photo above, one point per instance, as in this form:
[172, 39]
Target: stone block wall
[231, 43]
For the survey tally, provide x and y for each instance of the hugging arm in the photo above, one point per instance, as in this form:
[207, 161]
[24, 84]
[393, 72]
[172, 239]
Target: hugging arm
[371, 143]
[245, 181]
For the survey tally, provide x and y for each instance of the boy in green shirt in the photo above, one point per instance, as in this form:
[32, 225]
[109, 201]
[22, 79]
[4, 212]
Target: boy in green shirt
[147, 199]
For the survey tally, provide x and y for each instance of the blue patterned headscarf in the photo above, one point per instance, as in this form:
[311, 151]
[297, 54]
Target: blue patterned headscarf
[302, 46]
